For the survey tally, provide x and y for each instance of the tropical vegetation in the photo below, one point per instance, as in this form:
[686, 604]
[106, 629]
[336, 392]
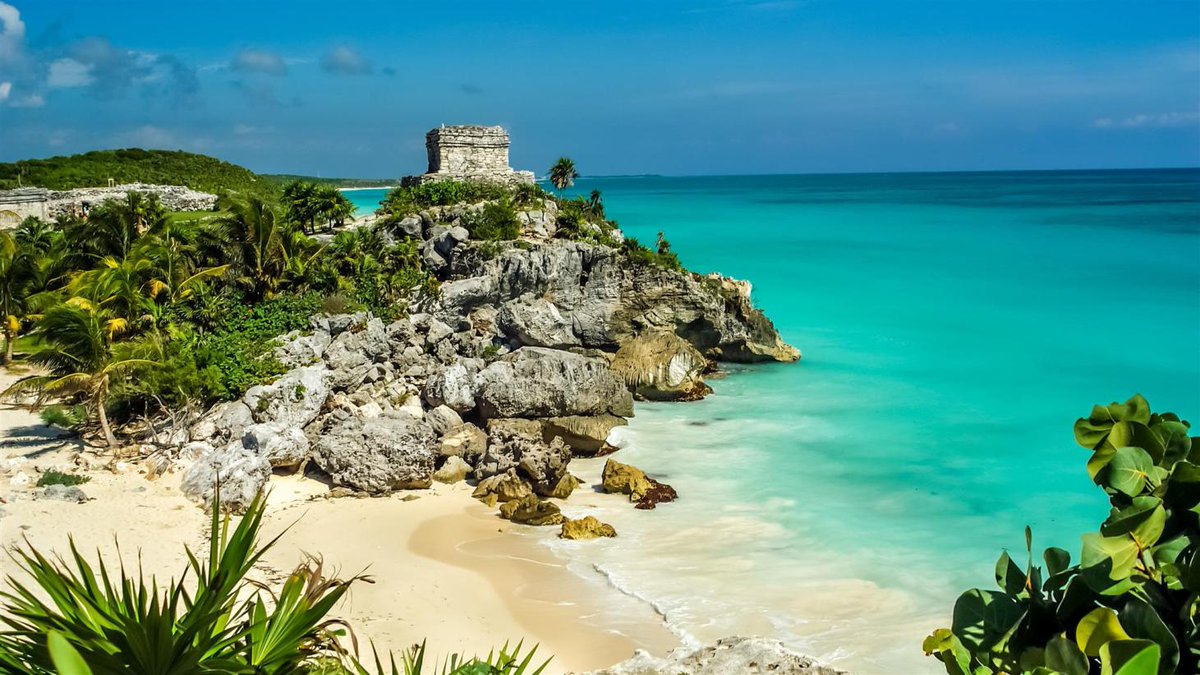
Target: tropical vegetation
[1131, 605]
[76, 617]
[563, 174]
[134, 165]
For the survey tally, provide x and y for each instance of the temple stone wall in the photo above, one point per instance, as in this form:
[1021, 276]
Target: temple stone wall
[17, 205]
[475, 153]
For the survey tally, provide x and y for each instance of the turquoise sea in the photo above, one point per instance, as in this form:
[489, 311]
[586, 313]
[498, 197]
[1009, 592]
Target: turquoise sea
[953, 327]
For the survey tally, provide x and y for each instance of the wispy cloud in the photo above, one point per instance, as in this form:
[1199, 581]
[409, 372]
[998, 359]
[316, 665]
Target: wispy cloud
[345, 60]
[68, 73]
[12, 32]
[1143, 121]
[148, 136]
[258, 61]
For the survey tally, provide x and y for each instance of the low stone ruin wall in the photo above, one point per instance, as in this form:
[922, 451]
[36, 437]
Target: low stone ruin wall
[173, 198]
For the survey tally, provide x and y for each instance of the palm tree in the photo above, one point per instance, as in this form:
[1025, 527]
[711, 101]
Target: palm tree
[333, 206]
[563, 174]
[594, 205]
[112, 228]
[302, 204]
[82, 358]
[260, 245]
[17, 272]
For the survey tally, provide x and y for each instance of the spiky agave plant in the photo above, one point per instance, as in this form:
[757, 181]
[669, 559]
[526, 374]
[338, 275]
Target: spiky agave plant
[79, 619]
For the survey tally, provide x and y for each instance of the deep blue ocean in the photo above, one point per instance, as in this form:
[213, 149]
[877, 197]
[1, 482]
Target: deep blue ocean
[953, 327]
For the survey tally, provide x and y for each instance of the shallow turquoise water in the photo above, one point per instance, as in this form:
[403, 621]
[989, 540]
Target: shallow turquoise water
[365, 200]
[953, 327]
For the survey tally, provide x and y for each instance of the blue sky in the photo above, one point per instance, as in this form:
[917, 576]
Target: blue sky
[705, 87]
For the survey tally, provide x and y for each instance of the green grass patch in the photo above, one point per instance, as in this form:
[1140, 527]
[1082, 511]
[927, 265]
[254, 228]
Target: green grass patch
[53, 477]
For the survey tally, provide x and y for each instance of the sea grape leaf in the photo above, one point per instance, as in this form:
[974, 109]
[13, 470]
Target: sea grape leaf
[1106, 562]
[1129, 657]
[1143, 520]
[949, 650]
[1136, 435]
[1056, 559]
[1183, 490]
[1098, 462]
[1175, 439]
[1129, 470]
[1065, 657]
[1099, 627]
[981, 618]
[1140, 620]
[1009, 577]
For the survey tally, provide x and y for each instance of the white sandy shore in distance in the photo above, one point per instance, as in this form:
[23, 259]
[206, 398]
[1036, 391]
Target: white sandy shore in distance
[445, 568]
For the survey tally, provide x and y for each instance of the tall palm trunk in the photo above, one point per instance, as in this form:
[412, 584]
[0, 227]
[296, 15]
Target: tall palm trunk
[8, 345]
[101, 393]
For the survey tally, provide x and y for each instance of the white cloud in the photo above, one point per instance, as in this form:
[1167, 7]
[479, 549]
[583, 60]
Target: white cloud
[69, 73]
[257, 61]
[29, 101]
[12, 33]
[5, 90]
[1143, 121]
[345, 60]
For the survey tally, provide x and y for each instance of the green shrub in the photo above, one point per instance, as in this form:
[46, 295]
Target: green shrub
[78, 617]
[53, 477]
[497, 221]
[1131, 606]
[69, 417]
[640, 255]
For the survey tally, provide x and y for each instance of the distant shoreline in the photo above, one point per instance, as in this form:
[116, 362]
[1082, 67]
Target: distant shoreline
[377, 187]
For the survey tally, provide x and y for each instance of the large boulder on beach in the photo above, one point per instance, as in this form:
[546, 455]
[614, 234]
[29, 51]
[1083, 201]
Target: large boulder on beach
[618, 478]
[452, 386]
[530, 510]
[543, 463]
[662, 366]
[467, 441]
[224, 422]
[588, 527]
[284, 447]
[240, 473]
[293, 400]
[585, 434]
[540, 382]
[393, 451]
[729, 656]
[503, 487]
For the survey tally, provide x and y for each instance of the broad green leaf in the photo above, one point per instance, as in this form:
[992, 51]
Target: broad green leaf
[1099, 627]
[1140, 620]
[1129, 470]
[1098, 462]
[1143, 520]
[981, 618]
[1129, 657]
[1135, 435]
[949, 650]
[1183, 489]
[66, 659]
[1064, 656]
[1175, 439]
[1106, 562]
[1056, 559]
[1009, 577]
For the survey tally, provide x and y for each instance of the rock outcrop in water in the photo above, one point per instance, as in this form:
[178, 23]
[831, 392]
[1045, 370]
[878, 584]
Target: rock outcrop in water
[531, 352]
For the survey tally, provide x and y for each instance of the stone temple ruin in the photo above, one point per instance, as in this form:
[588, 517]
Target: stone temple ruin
[16, 205]
[471, 153]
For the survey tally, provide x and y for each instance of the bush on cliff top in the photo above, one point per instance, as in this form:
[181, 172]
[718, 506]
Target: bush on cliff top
[1131, 606]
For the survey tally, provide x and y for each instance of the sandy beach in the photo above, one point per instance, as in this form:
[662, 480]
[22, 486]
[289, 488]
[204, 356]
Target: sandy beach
[445, 568]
